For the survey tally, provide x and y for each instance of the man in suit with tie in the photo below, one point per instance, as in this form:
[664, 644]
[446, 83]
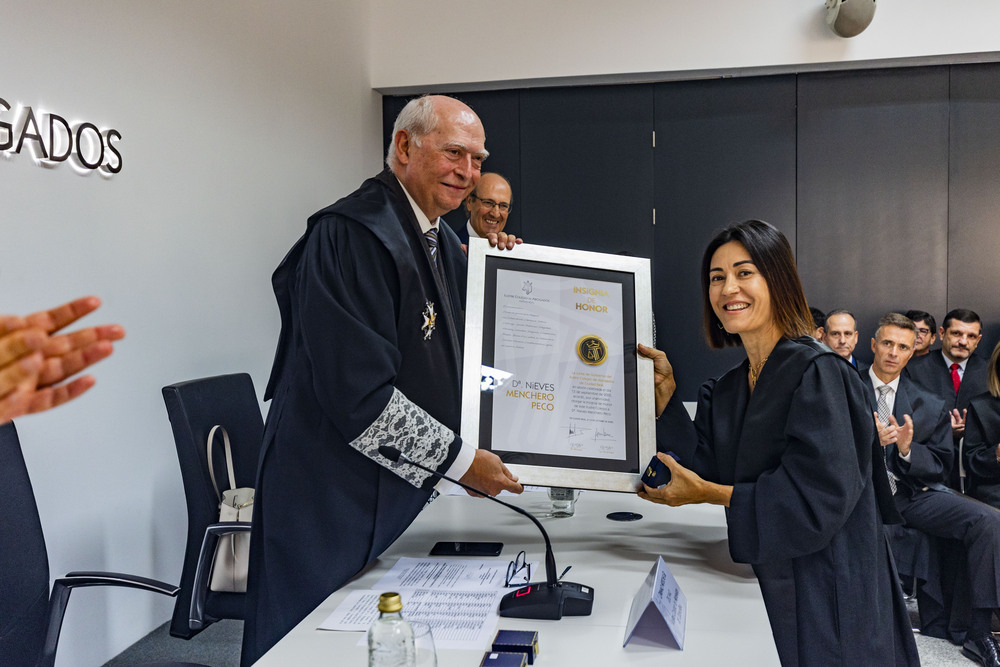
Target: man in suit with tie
[914, 430]
[488, 205]
[841, 334]
[954, 373]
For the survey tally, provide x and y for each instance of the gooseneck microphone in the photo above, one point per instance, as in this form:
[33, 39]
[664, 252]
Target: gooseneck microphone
[550, 600]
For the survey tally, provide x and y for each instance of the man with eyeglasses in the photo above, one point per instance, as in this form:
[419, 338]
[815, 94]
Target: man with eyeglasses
[955, 374]
[926, 331]
[488, 205]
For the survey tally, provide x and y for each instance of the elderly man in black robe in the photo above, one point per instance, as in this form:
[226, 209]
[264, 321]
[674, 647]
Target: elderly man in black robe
[370, 354]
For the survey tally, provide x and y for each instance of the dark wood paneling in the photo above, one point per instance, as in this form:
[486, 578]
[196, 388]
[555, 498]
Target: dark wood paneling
[725, 152]
[587, 168]
[974, 196]
[873, 192]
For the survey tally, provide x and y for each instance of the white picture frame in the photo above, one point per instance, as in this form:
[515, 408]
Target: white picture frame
[609, 283]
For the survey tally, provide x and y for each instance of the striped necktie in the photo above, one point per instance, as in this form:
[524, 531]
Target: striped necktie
[883, 417]
[432, 243]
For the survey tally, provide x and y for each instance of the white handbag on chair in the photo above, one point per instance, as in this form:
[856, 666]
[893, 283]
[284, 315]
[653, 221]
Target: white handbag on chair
[229, 570]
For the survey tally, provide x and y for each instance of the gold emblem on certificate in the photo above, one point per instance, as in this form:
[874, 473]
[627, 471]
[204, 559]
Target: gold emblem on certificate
[429, 319]
[592, 350]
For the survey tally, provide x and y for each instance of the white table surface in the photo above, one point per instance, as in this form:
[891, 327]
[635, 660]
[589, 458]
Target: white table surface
[726, 620]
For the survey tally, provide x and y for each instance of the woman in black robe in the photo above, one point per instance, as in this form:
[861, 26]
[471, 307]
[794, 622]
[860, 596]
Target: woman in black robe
[785, 441]
[982, 438]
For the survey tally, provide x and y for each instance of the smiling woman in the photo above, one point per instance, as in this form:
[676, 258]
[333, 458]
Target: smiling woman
[760, 255]
[786, 441]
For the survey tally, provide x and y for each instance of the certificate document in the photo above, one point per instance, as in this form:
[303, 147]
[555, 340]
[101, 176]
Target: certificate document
[561, 339]
[552, 382]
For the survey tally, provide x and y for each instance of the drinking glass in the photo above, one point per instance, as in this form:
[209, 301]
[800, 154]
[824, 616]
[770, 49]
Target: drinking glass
[563, 501]
[423, 640]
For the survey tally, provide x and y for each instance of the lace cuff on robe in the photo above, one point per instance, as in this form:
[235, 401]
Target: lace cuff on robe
[407, 427]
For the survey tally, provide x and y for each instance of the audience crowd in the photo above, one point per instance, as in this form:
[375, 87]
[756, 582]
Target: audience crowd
[937, 410]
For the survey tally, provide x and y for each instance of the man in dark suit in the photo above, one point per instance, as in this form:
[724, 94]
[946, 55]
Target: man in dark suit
[954, 373]
[926, 331]
[488, 205]
[914, 430]
[841, 334]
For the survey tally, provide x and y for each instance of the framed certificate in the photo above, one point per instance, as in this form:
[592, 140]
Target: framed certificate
[552, 382]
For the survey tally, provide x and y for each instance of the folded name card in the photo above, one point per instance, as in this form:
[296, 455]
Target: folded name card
[659, 610]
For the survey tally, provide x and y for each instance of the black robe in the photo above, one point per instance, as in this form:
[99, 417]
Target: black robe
[354, 369]
[982, 434]
[798, 453]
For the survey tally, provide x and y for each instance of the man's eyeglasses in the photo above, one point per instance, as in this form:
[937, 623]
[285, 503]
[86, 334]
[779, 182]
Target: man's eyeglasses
[489, 203]
[518, 572]
[923, 331]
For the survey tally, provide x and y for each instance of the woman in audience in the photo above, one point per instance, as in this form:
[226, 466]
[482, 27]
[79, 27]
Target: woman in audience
[982, 438]
[785, 442]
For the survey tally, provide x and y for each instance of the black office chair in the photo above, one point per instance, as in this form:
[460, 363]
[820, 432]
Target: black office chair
[31, 619]
[194, 407]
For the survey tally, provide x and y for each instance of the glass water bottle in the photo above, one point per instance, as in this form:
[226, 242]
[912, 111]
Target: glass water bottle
[390, 637]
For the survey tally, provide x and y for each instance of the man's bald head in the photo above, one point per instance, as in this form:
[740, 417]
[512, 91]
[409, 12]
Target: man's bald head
[438, 147]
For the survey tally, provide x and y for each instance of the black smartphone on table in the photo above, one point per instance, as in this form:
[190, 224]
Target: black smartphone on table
[467, 549]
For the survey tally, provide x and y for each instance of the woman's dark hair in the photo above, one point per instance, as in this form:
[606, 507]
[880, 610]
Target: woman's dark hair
[769, 250]
[819, 317]
[993, 374]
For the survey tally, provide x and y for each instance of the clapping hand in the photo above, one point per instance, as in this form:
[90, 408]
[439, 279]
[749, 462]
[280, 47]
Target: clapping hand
[37, 362]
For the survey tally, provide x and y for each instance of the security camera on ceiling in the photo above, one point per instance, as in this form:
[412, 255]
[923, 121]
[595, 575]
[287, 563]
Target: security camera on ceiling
[848, 18]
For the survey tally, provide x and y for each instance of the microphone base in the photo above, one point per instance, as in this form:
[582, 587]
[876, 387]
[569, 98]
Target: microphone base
[548, 601]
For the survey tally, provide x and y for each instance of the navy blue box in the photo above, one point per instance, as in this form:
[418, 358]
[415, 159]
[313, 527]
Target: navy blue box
[501, 659]
[657, 473]
[517, 641]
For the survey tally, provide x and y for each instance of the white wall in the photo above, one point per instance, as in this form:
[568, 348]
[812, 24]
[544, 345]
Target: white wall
[238, 120]
[527, 40]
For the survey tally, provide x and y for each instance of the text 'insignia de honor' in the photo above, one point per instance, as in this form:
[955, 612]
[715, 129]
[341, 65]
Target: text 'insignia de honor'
[429, 318]
[592, 350]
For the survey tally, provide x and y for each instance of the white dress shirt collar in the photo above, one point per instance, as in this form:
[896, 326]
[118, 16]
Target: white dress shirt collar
[877, 382]
[473, 234]
[425, 222]
[948, 362]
